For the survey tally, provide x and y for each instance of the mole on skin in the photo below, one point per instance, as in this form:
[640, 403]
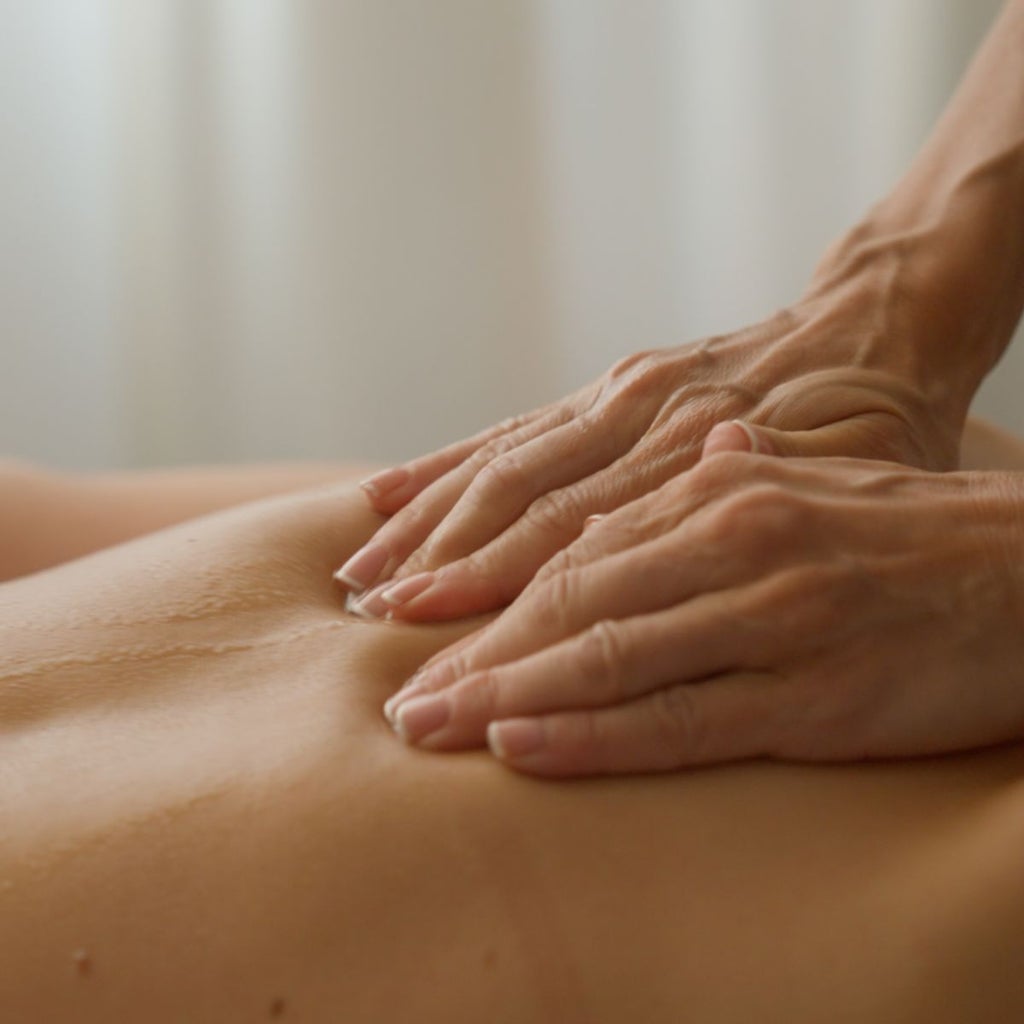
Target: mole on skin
[277, 1007]
[83, 962]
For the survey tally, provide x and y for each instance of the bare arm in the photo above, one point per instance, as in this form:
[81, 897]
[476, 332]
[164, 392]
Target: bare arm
[48, 517]
[949, 238]
[879, 358]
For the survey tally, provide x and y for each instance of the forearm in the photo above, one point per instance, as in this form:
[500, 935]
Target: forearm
[948, 240]
[48, 517]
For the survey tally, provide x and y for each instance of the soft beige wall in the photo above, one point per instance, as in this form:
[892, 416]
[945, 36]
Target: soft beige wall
[349, 237]
[263, 228]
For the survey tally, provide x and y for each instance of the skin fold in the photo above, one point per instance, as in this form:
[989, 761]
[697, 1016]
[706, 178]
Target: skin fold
[207, 818]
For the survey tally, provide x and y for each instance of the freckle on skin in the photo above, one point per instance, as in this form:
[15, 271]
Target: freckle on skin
[83, 963]
[277, 1007]
[490, 959]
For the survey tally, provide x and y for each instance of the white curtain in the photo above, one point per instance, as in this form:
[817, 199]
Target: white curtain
[241, 229]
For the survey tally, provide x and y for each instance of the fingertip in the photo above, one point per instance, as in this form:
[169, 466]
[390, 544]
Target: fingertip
[406, 590]
[369, 604]
[380, 487]
[451, 596]
[364, 568]
[514, 739]
[732, 436]
[759, 444]
[534, 747]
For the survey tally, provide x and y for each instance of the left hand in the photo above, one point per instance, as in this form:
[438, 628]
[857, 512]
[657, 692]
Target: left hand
[813, 610]
[838, 373]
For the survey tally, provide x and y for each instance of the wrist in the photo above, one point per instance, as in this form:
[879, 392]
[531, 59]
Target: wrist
[944, 276]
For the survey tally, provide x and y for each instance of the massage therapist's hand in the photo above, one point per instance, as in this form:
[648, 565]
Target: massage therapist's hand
[904, 316]
[797, 609]
[833, 375]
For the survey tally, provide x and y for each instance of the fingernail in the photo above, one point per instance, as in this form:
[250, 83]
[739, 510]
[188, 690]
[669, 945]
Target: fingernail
[515, 738]
[590, 520]
[419, 717]
[730, 436]
[371, 604]
[363, 567]
[413, 688]
[384, 482]
[755, 444]
[407, 589]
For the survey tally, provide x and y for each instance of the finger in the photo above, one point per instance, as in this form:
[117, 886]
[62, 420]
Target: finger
[408, 528]
[611, 662]
[606, 591]
[660, 510]
[874, 435]
[726, 719]
[393, 488]
[505, 488]
[498, 572]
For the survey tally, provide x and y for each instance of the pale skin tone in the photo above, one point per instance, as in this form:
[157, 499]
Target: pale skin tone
[207, 819]
[796, 609]
[879, 359]
[49, 517]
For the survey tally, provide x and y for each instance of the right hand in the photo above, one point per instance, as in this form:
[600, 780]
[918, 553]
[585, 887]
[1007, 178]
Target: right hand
[808, 610]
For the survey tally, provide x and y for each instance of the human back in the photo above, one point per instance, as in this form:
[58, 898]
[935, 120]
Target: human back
[208, 818]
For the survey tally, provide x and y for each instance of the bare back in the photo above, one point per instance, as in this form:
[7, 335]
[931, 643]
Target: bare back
[207, 818]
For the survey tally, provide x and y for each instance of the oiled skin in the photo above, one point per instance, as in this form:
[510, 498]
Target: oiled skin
[206, 818]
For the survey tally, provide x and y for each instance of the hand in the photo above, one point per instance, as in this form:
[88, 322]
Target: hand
[807, 610]
[472, 524]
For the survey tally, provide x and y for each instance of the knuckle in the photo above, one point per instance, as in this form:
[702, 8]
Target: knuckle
[492, 450]
[556, 514]
[484, 691]
[513, 423]
[403, 534]
[677, 735]
[436, 544]
[656, 515]
[503, 474]
[759, 512]
[643, 383]
[635, 362]
[560, 562]
[693, 408]
[560, 597]
[638, 376]
[603, 660]
[454, 668]
[574, 556]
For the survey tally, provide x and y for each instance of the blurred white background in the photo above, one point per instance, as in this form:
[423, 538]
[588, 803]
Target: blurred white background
[246, 229]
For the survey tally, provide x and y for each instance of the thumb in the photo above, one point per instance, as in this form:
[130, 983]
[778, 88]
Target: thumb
[738, 436]
[864, 436]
